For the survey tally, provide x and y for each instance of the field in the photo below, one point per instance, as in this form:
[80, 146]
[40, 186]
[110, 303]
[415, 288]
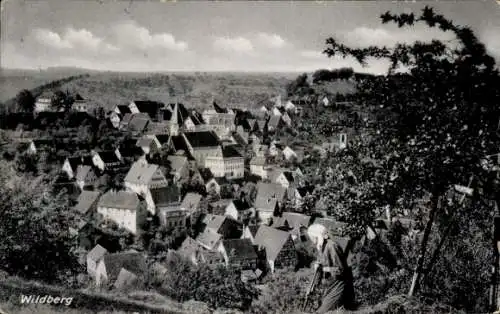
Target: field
[195, 89]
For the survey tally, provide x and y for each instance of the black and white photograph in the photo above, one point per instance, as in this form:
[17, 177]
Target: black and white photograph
[249, 157]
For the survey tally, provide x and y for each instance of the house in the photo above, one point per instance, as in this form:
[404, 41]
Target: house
[110, 268]
[211, 184]
[135, 122]
[176, 117]
[249, 232]
[198, 254]
[276, 112]
[106, 160]
[238, 209]
[221, 120]
[297, 194]
[179, 166]
[191, 203]
[285, 178]
[260, 150]
[93, 258]
[151, 108]
[122, 109]
[71, 164]
[286, 119]
[278, 247]
[209, 239]
[160, 197]
[274, 123]
[86, 176]
[174, 216]
[44, 101]
[82, 105]
[291, 107]
[120, 207]
[226, 226]
[40, 147]
[164, 140]
[231, 164]
[259, 167]
[269, 199]
[142, 177]
[148, 144]
[239, 253]
[289, 154]
[291, 222]
[202, 145]
[87, 202]
[241, 137]
[219, 207]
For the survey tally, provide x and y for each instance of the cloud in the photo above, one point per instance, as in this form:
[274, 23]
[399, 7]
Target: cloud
[130, 34]
[233, 44]
[271, 40]
[51, 39]
[391, 35]
[312, 54]
[76, 39]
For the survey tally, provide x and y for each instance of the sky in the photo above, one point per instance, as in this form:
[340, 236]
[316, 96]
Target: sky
[279, 36]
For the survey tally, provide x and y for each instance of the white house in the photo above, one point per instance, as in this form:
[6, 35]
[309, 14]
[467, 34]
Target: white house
[289, 154]
[142, 177]
[238, 209]
[93, 258]
[120, 207]
[259, 167]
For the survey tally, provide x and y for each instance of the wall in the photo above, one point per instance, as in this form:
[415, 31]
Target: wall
[123, 217]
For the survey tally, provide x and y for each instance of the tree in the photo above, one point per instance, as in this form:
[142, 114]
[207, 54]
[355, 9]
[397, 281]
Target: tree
[300, 86]
[62, 101]
[25, 101]
[440, 117]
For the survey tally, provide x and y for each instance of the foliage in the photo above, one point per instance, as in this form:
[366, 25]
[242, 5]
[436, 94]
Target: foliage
[216, 286]
[299, 87]
[331, 75]
[436, 123]
[25, 100]
[35, 229]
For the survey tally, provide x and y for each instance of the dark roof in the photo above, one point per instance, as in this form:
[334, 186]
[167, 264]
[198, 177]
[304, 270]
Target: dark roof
[179, 143]
[239, 248]
[85, 160]
[230, 152]
[253, 229]
[108, 156]
[162, 138]
[241, 205]
[202, 139]
[219, 109]
[124, 109]
[131, 261]
[166, 195]
[196, 117]
[289, 176]
[149, 107]
[305, 189]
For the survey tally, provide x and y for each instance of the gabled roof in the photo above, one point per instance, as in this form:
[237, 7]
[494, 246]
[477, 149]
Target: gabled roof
[163, 138]
[191, 201]
[177, 162]
[208, 238]
[142, 173]
[124, 109]
[214, 222]
[274, 121]
[144, 141]
[288, 176]
[85, 200]
[149, 107]
[128, 149]
[179, 143]
[253, 229]
[241, 205]
[131, 261]
[268, 194]
[272, 240]
[229, 151]
[125, 279]
[119, 199]
[303, 190]
[295, 220]
[258, 161]
[219, 109]
[138, 124]
[97, 253]
[74, 162]
[202, 139]
[166, 195]
[82, 171]
[239, 249]
[108, 156]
